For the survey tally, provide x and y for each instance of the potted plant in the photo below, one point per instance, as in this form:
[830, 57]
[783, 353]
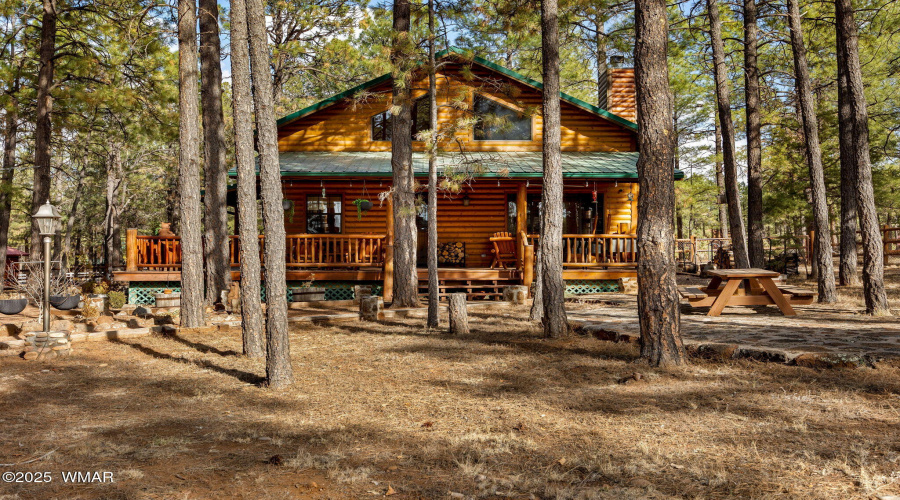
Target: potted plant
[362, 205]
[168, 298]
[308, 293]
[65, 300]
[12, 303]
[97, 294]
[117, 300]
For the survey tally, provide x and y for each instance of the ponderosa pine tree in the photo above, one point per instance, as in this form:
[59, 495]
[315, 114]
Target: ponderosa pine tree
[873, 257]
[10, 139]
[406, 279]
[42, 125]
[723, 103]
[434, 318]
[847, 269]
[279, 372]
[252, 327]
[822, 244]
[192, 303]
[554, 288]
[112, 234]
[756, 230]
[658, 302]
[215, 168]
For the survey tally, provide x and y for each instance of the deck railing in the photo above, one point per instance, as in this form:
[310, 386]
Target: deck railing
[597, 250]
[163, 253]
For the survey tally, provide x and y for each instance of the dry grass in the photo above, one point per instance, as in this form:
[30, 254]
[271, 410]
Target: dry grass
[497, 414]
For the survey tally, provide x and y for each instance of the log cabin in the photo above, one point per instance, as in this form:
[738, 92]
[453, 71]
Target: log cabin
[335, 160]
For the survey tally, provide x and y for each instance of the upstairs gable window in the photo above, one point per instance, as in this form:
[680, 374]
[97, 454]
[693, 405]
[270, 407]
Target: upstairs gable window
[381, 123]
[497, 122]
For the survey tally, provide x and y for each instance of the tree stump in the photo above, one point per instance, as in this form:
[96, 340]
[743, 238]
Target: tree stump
[371, 308]
[516, 294]
[360, 291]
[459, 317]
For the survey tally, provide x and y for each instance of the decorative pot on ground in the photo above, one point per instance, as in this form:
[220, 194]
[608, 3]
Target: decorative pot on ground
[168, 299]
[308, 294]
[12, 306]
[99, 300]
[65, 302]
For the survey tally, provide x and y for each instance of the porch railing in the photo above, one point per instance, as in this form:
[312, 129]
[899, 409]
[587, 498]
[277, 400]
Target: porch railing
[597, 250]
[163, 253]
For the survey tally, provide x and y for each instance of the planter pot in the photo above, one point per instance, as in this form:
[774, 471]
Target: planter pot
[100, 302]
[168, 300]
[365, 206]
[308, 294]
[12, 306]
[65, 302]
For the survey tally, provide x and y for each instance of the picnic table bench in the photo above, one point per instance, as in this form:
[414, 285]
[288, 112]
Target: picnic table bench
[759, 289]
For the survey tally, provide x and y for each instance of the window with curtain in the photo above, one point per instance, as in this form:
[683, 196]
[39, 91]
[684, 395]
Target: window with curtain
[324, 214]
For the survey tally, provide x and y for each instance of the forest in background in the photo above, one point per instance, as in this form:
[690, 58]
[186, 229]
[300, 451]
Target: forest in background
[115, 117]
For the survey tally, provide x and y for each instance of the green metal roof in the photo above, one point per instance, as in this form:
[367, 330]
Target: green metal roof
[580, 165]
[477, 60]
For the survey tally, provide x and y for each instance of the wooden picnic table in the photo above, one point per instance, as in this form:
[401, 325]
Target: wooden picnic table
[759, 289]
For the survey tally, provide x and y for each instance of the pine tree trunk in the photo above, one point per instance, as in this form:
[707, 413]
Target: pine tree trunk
[822, 244]
[215, 235]
[279, 372]
[554, 320]
[537, 303]
[247, 213]
[10, 138]
[658, 301]
[723, 102]
[66, 252]
[434, 319]
[406, 279]
[873, 257]
[720, 182]
[848, 274]
[756, 230]
[112, 241]
[602, 67]
[192, 309]
[42, 125]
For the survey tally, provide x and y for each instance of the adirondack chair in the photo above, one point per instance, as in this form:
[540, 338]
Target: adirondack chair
[504, 249]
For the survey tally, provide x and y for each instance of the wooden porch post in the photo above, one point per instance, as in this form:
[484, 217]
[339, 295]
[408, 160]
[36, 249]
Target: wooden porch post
[521, 209]
[388, 293]
[131, 250]
[528, 271]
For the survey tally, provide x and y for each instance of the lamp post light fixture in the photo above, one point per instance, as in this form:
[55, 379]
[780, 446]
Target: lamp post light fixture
[47, 219]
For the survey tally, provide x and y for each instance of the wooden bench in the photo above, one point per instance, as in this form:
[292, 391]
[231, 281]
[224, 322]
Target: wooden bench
[798, 295]
[689, 292]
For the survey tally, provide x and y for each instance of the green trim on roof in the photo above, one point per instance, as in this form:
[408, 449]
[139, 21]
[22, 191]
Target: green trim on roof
[477, 60]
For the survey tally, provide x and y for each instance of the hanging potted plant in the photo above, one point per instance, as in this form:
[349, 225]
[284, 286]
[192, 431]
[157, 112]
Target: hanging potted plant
[65, 300]
[12, 303]
[362, 205]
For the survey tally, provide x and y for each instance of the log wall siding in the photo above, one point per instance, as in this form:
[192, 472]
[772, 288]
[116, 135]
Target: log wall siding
[473, 224]
[346, 125]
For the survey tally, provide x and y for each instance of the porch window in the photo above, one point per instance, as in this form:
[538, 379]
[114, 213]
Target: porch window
[381, 123]
[324, 215]
[497, 122]
[581, 214]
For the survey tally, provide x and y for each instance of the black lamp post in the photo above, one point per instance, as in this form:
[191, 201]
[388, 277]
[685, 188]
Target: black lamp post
[47, 218]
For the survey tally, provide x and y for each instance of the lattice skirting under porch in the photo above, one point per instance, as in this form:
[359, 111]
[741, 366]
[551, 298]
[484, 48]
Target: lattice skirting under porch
[144, 292]
[582, 287]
